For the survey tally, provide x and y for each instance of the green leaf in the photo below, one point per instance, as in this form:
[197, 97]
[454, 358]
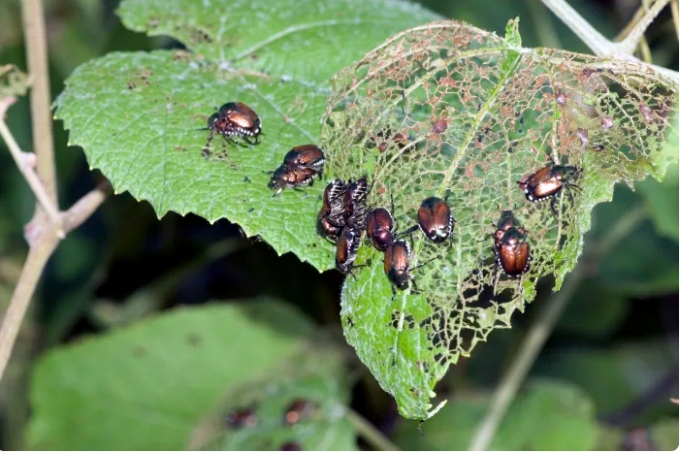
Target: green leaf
[545, 416]
[306, 40]
[665, 435]
[317, 378]
[616, 377]
[644, 263]
[512, 36]
[662, 201]
[506, 111]
[136, 115]
[146, 386]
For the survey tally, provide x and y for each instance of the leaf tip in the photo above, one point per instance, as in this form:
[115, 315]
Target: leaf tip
[512, 35]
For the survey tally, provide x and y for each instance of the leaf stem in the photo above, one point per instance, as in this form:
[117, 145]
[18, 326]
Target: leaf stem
[370, 433]
[540, 330]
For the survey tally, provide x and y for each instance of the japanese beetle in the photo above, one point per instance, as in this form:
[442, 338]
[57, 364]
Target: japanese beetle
[512, 252]
[306, 156]
[331, 217]
[507, 221]
[346, 249]
[548, 182]
[355, 203]
[290, 446]
[297, 410]
[235, 119]
[434, 220]
[291, 177]
[241, 418]
[397, 266]
[379, 224]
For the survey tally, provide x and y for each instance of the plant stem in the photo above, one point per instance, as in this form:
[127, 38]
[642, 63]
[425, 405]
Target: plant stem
[25, 166]
[36, 49]
[600, 45]
[631, 41]
[38, 255]
[540, 330]
[370, 433]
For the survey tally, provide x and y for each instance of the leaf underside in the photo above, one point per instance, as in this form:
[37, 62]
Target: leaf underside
[506, 109]
[137, 115]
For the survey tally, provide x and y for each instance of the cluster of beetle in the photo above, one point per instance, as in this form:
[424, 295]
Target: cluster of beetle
[344, 215]
[298, 410]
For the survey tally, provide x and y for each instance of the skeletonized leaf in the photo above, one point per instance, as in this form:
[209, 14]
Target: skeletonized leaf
[449, 110]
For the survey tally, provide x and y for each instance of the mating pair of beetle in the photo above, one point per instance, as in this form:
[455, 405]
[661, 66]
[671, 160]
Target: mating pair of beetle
[299, 168]
[343, 218]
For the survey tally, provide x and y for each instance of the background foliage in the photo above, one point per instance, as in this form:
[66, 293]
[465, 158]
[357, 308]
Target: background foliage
[614, 354]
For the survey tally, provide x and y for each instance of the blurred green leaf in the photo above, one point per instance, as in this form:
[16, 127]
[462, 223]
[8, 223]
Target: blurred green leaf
[644, 263]
[662, 201]
[146, 386]
[665, 435]
[317, 377]
[545, 416]
[615, 377]
[136, 114]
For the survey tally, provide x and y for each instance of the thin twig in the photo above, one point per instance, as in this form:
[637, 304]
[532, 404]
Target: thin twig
[370, 433]
[38, 255]
[24, 162]
[630, 43]
[540, 331]
[36, 49]
[85, 207]
[600, 45]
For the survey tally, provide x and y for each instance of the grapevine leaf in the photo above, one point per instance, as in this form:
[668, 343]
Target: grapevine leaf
[146, 386]
[449, 110]
[306, 40]
[316, 377]
[137, 115]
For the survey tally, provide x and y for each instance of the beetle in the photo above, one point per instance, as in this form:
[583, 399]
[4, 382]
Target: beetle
[548, 182]
[236, 119]
[397, 266]
[306, 156]
[291, 177]
[379, 224]
[241, 418]
[506, 221]
[296, 410]
[355, 203]
[513, 253]
[331, 216]
[346, 249]
[434, 220]
[290, 446]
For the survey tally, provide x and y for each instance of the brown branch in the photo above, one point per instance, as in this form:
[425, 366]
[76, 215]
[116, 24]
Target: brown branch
[45, 230]
[38, 255]
[36, 49]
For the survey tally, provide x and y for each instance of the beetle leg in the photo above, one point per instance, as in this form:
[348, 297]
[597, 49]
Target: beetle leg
[409, 231]
[394, 292]
[553, 205]
[205, 150]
